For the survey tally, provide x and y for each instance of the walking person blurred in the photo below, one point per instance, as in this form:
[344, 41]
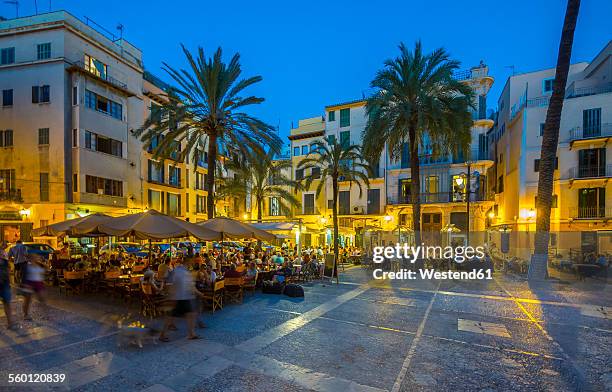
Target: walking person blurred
[183, 293]
[19, 256]
[5, 285]
[33, 284]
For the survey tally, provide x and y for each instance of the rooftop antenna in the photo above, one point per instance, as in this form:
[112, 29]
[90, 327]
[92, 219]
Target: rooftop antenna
[16, 4]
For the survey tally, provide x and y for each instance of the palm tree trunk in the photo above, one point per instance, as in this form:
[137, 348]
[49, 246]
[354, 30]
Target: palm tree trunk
[259, 208]
[335, 223]
[550, 139]
[212, 171]
[415, 185]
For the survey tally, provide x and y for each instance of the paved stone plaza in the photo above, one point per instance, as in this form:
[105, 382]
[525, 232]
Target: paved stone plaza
[360, 335]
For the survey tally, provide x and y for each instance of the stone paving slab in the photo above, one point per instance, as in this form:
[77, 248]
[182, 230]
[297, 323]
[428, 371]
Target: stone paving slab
[483, 327]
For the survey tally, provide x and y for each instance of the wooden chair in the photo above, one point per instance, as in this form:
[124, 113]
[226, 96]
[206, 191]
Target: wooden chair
[250, 284]
[214, 297]
[233, 290]
[75, 281]
[61, 281]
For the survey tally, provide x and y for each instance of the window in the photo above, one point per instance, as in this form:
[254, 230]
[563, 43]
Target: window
[174, 175]
[344, 202]
[405, 157]
[373, 201]
[296, 151]
[591, 202]
[186, 202]
[432, 184]
[299, 174]
[304, 150]
[174, 205]
[41, 94]
[156, 171]
[44, 186]
[7, 56]
[591, 122]
[43, 136]
[345, 117]
[500, 184]
[542, 129]
[75, 95]
[405, 190]
[8, 182]
[592, 162]
[547, 85]
[331, 139]
[7, 97]
[75, 137]
[75, 182]
[315, 172]
[331, 116]
[155, 200]
[43, 51]
[200, 181]
[95, 66]
[200, 204]
[308, 205]
[103, 186]
[6, 138]
[101, 104]
[345, 139]
[103, 144]
[275, 206]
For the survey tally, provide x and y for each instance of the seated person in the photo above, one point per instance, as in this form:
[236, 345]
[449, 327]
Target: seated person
[232, 273]
[114, 261]
[163, 269]
[251, 273]
[148, 284]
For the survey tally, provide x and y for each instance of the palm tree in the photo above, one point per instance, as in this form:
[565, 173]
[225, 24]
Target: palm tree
[205, 111]
[538, 269]
[339, 163]
[260, 176]
[420, 103]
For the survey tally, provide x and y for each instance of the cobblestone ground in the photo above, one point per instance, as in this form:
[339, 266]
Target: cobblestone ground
[361, 335]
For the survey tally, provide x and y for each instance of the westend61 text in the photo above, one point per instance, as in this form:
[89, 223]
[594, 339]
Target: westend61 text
[405, 274]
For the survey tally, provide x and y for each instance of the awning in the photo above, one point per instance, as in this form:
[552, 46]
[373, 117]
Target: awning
[274, 226]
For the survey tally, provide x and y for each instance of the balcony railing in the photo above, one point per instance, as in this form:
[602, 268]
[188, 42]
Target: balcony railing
[11, 195]
[573, 92]
[593, 171]
[597, 212]
[107, 77]
[603, 130]
[442, 197]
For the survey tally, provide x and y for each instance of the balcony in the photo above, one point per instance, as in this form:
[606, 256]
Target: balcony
[590, 171]
[310, 211]
[597, 212]
[575, 92]
[441, 197]
[580, 133]
[11, 195]
[80, 66]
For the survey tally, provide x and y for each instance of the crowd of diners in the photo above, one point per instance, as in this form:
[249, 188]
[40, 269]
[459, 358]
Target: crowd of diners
[175, 276]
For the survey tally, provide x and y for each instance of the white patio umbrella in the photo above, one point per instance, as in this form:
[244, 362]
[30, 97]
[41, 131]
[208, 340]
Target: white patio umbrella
[82, 226]
[233, 229]
[153, 225]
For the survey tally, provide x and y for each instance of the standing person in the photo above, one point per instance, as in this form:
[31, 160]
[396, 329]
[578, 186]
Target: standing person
[5, 285]
[182, 292]
[34, 280]
[19, 255]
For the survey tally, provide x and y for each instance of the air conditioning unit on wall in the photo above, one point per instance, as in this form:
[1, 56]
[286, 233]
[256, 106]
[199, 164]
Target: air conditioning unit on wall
[358, 210]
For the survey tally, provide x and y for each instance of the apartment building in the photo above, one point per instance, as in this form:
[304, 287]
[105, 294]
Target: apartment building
[70, 95]
[582, 197]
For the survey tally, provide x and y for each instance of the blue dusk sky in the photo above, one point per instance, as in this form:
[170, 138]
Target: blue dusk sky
[316, 53]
